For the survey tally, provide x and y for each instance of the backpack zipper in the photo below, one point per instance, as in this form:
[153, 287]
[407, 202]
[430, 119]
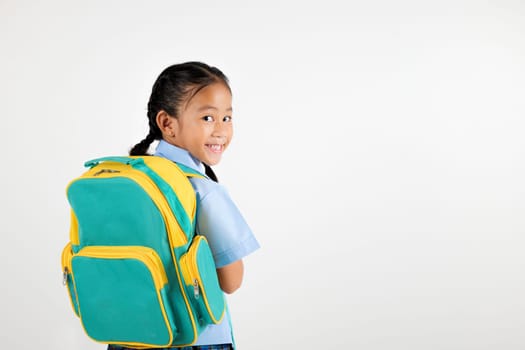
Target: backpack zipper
[109, 171]
[191, 268]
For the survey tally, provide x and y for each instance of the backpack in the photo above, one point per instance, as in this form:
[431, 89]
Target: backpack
[136, 272]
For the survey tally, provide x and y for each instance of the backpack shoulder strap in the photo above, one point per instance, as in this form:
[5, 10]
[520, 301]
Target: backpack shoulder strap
[189, 172]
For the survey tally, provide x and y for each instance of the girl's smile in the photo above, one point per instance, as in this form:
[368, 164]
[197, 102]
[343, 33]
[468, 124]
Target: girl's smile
[216, 148]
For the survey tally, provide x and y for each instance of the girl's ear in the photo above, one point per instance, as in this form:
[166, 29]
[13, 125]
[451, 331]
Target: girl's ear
[167, 124]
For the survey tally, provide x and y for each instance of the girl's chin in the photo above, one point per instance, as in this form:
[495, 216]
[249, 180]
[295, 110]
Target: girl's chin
[212, 162]
[213, 158]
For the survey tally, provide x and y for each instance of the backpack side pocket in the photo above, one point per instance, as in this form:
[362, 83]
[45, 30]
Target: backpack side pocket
[200, 277]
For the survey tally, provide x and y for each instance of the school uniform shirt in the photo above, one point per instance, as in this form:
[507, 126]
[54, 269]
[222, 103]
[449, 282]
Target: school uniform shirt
[220, 221]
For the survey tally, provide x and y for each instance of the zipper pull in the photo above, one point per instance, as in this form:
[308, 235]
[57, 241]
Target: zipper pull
[196, 288]
[64, 277]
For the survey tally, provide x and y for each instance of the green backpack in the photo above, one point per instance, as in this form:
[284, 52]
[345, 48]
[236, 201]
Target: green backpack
[136, 272]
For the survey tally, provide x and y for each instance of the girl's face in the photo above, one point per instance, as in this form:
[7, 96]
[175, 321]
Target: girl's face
[204, 125]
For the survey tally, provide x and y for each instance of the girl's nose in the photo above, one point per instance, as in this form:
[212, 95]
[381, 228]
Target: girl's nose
[220, 130]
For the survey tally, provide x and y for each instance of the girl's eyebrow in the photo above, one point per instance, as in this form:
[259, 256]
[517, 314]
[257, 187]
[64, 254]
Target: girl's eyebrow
[206, 107]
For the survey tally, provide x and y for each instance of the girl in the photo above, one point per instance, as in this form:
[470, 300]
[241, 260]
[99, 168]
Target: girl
[190, 113]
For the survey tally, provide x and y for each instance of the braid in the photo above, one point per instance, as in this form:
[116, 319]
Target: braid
[141, 148]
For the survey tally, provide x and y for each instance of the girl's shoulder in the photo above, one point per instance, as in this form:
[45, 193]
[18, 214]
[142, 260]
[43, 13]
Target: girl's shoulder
[205, 187]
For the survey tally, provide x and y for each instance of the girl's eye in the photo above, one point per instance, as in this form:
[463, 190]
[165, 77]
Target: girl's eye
[207, 118]
[227, 119]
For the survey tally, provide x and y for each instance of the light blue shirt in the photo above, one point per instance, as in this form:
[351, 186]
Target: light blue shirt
[221, 222]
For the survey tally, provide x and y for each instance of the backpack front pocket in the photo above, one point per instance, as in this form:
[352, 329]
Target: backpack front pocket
[121, 297]
[200, 275]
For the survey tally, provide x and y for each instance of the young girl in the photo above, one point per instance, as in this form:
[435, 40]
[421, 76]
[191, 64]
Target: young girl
[190, 113]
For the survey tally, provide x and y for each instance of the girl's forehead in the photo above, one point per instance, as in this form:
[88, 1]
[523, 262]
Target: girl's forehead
[216, 95]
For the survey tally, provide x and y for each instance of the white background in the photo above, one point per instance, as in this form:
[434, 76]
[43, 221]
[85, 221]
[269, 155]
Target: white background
[379, 157]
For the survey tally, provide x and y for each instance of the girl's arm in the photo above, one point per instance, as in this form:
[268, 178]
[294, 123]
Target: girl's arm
[230, 276]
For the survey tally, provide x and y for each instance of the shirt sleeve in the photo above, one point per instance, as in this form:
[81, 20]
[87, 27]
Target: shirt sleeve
[221, 222]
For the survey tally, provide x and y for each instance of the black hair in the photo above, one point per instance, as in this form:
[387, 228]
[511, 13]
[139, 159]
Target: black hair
[174, 86]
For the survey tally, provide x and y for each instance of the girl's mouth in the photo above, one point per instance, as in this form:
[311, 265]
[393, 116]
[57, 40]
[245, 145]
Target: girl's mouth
[215, 148]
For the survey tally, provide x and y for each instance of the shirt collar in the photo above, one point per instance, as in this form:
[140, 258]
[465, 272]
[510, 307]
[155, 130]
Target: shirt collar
[179, 155]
